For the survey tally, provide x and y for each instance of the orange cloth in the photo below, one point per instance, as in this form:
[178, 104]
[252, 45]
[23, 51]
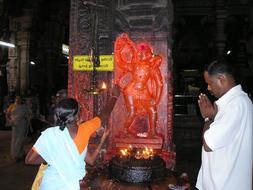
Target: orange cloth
[84, 132]
[10, 108]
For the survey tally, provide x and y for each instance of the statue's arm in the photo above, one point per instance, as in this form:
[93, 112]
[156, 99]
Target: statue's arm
[117, 52]
[159, 85]
[157, 77]
[124, 43]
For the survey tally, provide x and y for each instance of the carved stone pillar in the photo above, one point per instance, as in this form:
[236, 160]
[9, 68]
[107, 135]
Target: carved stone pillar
[11, 74]
[18, 65]
[221, 15]
[23, 45]
[12, 67]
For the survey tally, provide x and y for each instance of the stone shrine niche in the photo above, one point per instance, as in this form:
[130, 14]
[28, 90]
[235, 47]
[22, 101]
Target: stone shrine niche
[136, 133]
[154, 28]
[81, 16]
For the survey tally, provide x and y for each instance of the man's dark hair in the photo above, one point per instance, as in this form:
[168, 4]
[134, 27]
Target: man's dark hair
[65, 112]
[220, 67]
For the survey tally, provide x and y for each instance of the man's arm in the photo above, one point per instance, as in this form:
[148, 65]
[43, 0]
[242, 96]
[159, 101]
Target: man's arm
[208, 112]
[206, 127]
[207, 109]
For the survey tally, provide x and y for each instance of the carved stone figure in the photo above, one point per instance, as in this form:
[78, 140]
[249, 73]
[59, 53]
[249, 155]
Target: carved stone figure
[143, 90]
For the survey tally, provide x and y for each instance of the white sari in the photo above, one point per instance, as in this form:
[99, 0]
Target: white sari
[66, 164]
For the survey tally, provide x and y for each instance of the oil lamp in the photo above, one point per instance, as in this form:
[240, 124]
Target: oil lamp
[124, 153]
[95, 90]
[94, 49]
[138, 155]
[146, 153]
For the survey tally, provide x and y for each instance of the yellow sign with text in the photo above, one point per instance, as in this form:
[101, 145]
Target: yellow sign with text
[83, 63]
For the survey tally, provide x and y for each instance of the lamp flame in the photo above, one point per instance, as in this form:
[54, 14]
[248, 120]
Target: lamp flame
[145, 153]
[103, 86]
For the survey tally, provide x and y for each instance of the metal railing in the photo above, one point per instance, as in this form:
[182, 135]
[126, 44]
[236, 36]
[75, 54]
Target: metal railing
[185, 104]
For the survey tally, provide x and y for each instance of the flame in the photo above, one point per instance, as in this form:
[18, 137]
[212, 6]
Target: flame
[103, 86]
[145, 153]
[123, 152]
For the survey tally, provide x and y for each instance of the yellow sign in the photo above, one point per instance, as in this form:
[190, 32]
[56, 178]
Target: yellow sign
[106, 63]
[83, 63]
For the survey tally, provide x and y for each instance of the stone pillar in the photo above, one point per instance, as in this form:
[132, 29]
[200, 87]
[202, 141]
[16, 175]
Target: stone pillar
[18, 65]
[12, 67]
[23, 45]
[221, 15]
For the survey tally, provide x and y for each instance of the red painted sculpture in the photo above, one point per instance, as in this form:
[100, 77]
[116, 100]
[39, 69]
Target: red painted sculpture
[140, 80]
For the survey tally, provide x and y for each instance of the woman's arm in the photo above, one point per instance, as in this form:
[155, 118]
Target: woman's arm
[90, 158]
[34, 158]
[107, 109]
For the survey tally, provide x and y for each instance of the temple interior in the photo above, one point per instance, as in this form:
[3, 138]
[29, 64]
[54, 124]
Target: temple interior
[87, 47]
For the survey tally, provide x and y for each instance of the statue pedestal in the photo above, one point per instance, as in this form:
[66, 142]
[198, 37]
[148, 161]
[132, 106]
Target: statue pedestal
[102, 180]
[154, 143]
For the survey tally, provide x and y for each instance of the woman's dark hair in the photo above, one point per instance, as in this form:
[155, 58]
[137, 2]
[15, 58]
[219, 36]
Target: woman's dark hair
[65, 112]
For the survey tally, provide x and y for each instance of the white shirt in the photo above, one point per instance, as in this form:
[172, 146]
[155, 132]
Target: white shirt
[229, 165]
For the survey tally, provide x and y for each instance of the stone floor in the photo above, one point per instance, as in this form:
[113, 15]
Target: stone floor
[13, 175]
[18, 176]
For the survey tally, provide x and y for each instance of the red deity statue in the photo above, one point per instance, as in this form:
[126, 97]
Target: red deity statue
[143, 90]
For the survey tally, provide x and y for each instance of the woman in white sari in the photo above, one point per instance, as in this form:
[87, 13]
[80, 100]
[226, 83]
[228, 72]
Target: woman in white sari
[64, 147]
